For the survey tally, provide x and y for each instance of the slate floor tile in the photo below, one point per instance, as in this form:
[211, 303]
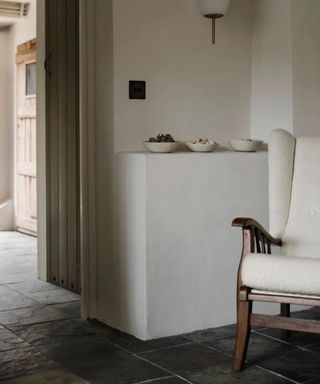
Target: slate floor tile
[54, 296]
[36, 314]
[23, 361]
[52, 332]
[298, 365]
[296, 338]
[186, 359]
[10, 299]
[169, 380]
[81, 351]
[259, 349]
[202, 365]
[252, 375]
[121, 370]
[16, 277]
[314, 381]
[33, 286]
[8, 340]
[68, 310]
[130, 343]
[58, 376]
[314, 309]
[314, 347]
[212, 333]
[309, 314]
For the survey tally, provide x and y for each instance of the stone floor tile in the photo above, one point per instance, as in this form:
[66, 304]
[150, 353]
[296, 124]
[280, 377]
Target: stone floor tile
[252, 375]
[296, 338]
[35, 314]
[16, 277]
[212, 333]
[58, 376]
[23, 361]
[314, 381]
[315, 347]
[70, 310]
[52, 332]
[298, 365]
[10, 299]
[169, 380]
[119, 370]
[202, 365]
[260, 347]
[8, 340]
[308, 314]
[130, 343]
[54, 296]
[79, 351]
[186, 359]
[33, 286]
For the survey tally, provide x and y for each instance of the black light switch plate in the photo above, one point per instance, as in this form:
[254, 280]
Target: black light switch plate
[137, 90]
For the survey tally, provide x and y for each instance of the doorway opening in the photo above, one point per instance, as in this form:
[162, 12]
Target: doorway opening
[39, 179]
[18, 129]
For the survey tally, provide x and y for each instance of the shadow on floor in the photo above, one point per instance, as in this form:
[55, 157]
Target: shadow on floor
[44, 340]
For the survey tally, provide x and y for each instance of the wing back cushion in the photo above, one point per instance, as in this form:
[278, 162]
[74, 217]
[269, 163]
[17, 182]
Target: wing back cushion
[302, 234]
[281, 160]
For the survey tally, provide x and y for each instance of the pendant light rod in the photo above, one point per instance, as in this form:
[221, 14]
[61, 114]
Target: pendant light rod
[213, 31]
[213, 9]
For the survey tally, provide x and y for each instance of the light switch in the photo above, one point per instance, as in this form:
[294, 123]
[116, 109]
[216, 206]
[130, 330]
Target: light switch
[137, 90]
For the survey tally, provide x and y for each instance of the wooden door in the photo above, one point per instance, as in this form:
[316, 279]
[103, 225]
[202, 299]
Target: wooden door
[26, 160]
[62, 113]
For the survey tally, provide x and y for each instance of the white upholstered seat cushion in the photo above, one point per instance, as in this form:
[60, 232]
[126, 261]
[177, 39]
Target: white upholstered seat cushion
[287, 274]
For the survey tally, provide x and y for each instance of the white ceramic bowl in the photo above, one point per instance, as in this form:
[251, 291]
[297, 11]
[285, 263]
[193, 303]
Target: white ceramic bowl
[245, 145]
[202, 147]
[160, 147]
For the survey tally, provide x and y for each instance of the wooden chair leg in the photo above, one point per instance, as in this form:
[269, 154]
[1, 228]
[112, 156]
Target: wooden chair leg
[243, 335]
[285, 312]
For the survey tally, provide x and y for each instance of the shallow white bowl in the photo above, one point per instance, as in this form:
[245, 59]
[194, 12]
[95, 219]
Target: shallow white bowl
[202, 147]
[160, 147]
[245, 145]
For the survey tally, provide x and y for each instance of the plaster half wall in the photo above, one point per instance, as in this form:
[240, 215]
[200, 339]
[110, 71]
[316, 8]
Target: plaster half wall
[194, 89]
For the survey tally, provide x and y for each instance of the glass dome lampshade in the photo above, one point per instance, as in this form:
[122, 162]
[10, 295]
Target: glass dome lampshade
[213, 9]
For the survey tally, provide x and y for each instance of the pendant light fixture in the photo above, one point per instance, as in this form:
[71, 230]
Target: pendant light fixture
[214, 9]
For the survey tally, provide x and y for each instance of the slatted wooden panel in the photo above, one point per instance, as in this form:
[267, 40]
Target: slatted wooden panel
[63, 142]
[26, 144]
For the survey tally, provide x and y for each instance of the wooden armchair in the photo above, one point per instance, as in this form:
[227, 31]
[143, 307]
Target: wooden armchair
[293, 276]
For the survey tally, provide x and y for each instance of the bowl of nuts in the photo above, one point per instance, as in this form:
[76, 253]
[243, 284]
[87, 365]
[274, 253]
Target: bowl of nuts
[202, 145]
[246, 145]
[161, 144]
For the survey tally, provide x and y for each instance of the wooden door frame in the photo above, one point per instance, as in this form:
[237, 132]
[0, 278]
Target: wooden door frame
[87, 154]
[88, 159]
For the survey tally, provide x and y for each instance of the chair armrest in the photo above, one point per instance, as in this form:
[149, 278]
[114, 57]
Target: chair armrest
[248, 223]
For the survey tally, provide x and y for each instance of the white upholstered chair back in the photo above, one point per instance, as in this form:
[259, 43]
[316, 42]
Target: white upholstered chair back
[294, 193]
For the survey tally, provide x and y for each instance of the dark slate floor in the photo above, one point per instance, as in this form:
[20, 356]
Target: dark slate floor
[44, 340]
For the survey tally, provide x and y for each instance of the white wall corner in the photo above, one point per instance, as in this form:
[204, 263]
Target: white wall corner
[272, 68]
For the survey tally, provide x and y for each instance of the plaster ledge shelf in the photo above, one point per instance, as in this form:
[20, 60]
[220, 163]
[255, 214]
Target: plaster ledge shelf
[189, 153]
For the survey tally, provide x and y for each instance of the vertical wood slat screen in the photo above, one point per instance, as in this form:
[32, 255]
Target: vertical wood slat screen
[62, 109]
